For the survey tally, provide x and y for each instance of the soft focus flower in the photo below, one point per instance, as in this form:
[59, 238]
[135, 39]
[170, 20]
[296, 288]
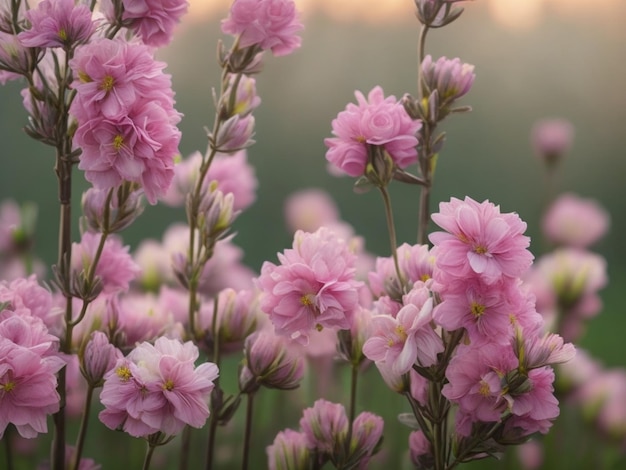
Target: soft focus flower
[420, 450]
[551, 139]
[325, 426]
[375, 121]
[480, 240]
[57, 23]
[450, 77]
[158, 388]
[115, 268]
[17, 59]
[367, 431]
[313, 287]
[153, 20]
[309, 209]
[268, 24]
[25, 294]
[288, 451]
[270, 361]
[576, 222]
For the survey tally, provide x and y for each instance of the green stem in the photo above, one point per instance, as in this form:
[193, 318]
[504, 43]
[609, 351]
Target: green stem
[148, 457]
[8, 436]
[80, 441]
[392, 234]
[248, 432]
[421, 43]
[352, 407]
[213, 419]
[184, 448]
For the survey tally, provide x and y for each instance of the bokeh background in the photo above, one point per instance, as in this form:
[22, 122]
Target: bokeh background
[533, 58]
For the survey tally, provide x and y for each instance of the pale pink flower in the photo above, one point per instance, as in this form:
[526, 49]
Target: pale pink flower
[534, 351]
[367, 432]
[115, 268]
[57, 23]
[310, 209]
[26, 293]
[313, 287]
[153, 20]
[14, 57]
[538, 403]
[576, 222]
[551, 138]
[325, 426]
[289, 450]
[268, 24]
[375, 121]
[480, 240]
[232, 173]
[158, 388]
[408, 338]
[420, 450]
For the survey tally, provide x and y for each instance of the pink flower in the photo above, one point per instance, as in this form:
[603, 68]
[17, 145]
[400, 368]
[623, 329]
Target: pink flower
[309, 209]
[288, 450]
[325, 426]
[575, 222]
[313, 287]
[115, 267]
[479, 240]
[375, 121]
[367, 432]
[158, 388]
[57, 23]
[551, 139]
[268, 24]
[14, 57]
[408, 338]
[153, 20]
[138, 148]
[420, 450]
[111, 76]
[98, 357]
[28, 294]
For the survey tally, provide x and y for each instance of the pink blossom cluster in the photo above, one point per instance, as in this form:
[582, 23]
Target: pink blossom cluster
[313, 287]
[373, 122]
[153, 21]
[267, 24]
[158, 388]
[323, 437]
[505, 364]
[124, 106]
[29, 359]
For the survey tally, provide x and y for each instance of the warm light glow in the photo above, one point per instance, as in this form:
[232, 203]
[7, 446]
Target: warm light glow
[517, 14]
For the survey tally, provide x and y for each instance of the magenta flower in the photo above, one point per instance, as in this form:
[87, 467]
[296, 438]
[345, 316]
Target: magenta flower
[58, 23]
[407, 338]
[158, 388]
[268, 24]
[480, 241]
[574, 221]
[313, 287]
[375, 121]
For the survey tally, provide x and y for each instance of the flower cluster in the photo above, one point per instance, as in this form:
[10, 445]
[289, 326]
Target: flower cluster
[157, 388]
[126, 118]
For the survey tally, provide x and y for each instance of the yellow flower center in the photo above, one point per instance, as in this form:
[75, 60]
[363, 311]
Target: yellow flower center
[477, 309]
[424, 277]
[118, 141]
[306, 300]
[107, 83]
[83, 77]
[8, 386]
[63, 34]
[123, 373]
[168, 385]
[484, 389]
[481, 250]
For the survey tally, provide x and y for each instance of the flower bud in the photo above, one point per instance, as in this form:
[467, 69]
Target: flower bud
[271, 362]
[234, 134]
[420, 450]
[111, 213]
[450, 77]
[246, 98]
[288, 451]
[367, 433]
[325, 426]
[98, 357]
[216, 211]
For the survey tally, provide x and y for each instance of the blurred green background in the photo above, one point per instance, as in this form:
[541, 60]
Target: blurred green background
[569, 66]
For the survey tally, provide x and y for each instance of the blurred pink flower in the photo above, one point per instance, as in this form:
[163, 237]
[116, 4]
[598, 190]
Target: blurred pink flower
[268, 24]
[375, 121]
[289, 450]
[420, 450]
[574, 221]
[309, 209]
[325, 426]
[313, 287]
[551, 139]
[153, 20]
[57, 23]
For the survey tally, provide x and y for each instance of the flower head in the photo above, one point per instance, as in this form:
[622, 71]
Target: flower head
[375, 121]
[313, 287]
[551, 139]
[268, 24]
[450, 77]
